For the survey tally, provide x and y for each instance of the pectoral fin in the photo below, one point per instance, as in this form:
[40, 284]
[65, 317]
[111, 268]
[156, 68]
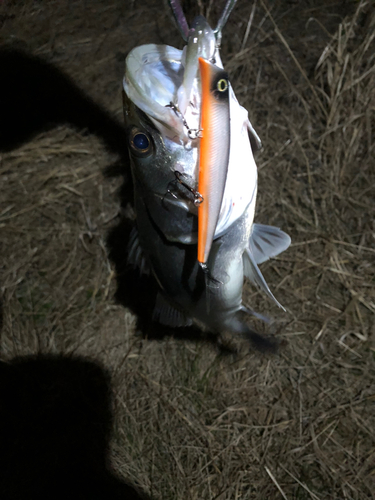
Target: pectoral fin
[267, 242]
[251, 271]
[136, 258]
[256, 143]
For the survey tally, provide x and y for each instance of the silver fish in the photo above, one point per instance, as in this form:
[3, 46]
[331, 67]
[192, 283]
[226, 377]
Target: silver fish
[164, 159]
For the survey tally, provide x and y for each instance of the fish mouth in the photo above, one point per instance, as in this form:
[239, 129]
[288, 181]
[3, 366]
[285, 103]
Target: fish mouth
[153, 73]
[157, 76]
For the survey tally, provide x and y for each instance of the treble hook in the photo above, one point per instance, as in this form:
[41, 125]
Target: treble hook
[193, 133]
[198, 198]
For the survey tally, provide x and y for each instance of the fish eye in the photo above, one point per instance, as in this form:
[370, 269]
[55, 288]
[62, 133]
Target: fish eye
[222, 85]
[140, 142]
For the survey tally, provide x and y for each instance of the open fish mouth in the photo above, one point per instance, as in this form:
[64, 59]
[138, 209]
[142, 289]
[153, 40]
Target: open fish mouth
[153, 75]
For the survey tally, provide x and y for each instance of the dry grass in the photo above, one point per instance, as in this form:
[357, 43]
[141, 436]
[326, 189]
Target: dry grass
[189, 422]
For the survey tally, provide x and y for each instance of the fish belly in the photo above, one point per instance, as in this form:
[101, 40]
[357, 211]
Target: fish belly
[176, 270]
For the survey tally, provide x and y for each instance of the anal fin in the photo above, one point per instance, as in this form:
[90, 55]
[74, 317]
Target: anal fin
[252, 272]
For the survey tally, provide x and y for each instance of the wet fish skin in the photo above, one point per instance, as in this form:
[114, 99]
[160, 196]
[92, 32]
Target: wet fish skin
[183, 284]
[217, 307]
[171, 257]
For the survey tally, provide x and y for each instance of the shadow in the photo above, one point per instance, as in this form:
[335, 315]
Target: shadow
[36, 97]
[55, 422]
[1, 314]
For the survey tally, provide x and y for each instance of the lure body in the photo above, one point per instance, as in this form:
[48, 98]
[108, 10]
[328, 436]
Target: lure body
[213, 152]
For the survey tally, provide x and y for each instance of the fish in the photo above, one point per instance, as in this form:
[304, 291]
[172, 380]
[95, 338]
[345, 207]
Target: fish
[167, 148]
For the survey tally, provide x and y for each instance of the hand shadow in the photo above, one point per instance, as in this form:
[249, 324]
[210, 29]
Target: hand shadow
[55, 424]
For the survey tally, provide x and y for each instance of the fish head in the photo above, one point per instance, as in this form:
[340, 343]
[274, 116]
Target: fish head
[155, 158]
[158, 167]
[164, 139]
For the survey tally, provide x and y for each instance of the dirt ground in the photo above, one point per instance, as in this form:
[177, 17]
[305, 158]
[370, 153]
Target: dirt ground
[87, 390]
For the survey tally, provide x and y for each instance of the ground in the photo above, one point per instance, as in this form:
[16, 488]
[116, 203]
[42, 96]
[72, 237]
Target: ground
[179, 416]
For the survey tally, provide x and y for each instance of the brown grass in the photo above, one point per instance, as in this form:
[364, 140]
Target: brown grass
[190, 423]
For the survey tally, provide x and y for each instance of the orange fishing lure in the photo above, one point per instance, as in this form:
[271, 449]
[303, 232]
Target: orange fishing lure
[213, 152]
